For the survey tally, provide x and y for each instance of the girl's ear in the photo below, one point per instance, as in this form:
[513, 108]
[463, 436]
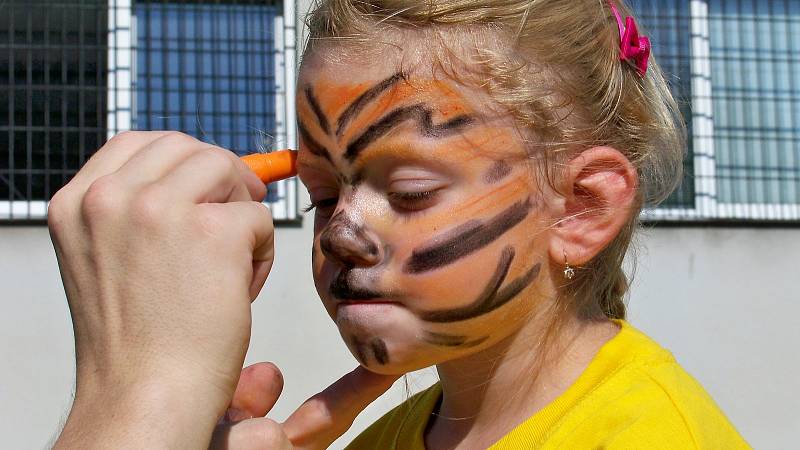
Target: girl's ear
[599, 191]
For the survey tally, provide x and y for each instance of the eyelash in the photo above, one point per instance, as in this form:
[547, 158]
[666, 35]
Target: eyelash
[409, 197]
[326, 202]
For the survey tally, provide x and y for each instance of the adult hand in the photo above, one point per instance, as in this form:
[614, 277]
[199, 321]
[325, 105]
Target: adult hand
[162, 243]
[313, 426]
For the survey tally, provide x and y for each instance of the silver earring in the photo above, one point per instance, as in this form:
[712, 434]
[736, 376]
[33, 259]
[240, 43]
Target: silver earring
[569, 272]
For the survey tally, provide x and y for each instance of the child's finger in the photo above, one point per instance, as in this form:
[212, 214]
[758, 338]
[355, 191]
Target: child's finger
[258, 389]
[252, 434]
[326, 416]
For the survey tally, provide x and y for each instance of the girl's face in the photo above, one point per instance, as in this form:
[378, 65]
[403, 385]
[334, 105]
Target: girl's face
[428, 235]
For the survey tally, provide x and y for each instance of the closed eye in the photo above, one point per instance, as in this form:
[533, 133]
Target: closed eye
[412, 201]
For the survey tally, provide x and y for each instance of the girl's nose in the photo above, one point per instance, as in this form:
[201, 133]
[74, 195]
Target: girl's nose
[348, 243]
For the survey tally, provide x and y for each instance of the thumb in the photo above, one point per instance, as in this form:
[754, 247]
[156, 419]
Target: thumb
[252, 434]
[326, 416]
[259, 387]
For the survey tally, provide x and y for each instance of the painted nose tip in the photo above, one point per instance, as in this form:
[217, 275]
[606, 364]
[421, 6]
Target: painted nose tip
[348, 243]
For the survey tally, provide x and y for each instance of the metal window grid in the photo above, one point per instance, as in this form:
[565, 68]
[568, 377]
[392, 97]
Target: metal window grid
[68, 80]
[71, 83]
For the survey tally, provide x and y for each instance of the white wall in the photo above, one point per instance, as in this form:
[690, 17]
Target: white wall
[723, 300]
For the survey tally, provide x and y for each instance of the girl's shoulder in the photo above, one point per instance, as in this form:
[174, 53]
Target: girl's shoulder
[633, 394]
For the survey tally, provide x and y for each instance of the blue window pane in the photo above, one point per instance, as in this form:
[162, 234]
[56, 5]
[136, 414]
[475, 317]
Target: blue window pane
[755, 79]
[206, 70]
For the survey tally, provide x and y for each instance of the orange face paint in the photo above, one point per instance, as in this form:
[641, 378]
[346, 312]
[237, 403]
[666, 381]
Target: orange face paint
[423, 239]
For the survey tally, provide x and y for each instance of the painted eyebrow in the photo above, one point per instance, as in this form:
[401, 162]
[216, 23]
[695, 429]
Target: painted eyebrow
[492, 297]
[465, 239]
[421, 113]
[321, 117]
[365, 99]
[313, 146]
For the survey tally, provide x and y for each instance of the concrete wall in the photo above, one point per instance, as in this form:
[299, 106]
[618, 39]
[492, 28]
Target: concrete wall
[723, 300]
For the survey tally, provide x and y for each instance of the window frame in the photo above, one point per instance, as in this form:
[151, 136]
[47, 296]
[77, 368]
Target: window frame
[707, 208]
[121, 105]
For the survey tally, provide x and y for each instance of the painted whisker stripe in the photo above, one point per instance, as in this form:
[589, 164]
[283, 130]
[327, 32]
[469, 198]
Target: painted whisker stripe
[451, 340]
[465, 239]
[313, 146]
[379, 351]
[498, 171]
[419, 112]
[312, 101]
[365, 99]
[485, 301]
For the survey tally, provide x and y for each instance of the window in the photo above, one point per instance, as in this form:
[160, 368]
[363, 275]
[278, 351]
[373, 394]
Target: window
[52, 98]
[744, 120]
[75, 72]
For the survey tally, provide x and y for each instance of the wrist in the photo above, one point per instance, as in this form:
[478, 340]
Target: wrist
[145, 415]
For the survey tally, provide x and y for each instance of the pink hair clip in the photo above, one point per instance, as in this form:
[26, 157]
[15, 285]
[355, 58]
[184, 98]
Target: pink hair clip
[632, 46]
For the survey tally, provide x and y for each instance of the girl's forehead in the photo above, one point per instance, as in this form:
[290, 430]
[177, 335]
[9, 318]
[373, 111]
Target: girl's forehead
[334, 95]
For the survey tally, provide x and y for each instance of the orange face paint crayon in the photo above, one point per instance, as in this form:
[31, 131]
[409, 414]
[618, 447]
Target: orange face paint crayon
[273, 166]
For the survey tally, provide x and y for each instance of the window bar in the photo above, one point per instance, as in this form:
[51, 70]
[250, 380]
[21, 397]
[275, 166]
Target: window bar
[215, 94]
[289, 75]
[776, 197]
[81, 89]
[148, 74]
[12, 186]
[164, 9]
[181, 52]
[102, 63]
[251, 118]
[702, 111]
[230, 48]
[64, 134]
[793, 156]
[281, 105]
[47, 193]
[199, 84]
[29, 115]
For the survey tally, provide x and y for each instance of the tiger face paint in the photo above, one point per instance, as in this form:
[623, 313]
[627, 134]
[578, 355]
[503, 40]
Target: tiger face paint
[426, 222]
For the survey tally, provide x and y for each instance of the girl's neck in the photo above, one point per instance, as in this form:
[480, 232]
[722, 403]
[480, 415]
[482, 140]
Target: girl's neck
[489, 393]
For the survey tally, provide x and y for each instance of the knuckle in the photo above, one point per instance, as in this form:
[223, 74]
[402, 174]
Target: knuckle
[271, 435]
[59, 210]
[218, 157]
[319, 410]
[101, 199]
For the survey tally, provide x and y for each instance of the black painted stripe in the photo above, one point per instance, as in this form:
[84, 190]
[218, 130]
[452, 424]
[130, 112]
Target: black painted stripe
[498, 171]
[365, 99]
[312, 100]
[452, 340]
[313, 146]
[483, 303]
[465, 239]
[379, 351]
[419, 112]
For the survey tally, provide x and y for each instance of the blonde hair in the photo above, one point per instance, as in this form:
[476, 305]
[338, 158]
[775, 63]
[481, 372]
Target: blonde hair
[558, 72]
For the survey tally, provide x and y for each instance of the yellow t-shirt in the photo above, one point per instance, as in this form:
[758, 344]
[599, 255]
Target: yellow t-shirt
[633, 395]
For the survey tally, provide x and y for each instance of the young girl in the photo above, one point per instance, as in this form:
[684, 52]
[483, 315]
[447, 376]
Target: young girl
[477, 170]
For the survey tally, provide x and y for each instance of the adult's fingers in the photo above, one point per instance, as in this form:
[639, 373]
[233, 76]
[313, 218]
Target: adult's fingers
[156, 159]
[111, 156]
[326, 416]
[252, 434]
[214, 175]
[254, 219]
[258, 389]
